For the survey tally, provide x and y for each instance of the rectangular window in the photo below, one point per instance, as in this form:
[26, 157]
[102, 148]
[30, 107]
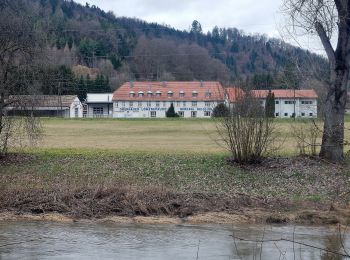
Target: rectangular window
[311, 114]
[207, 104]
[184, 103]
[207, 113]
[178, 103]
[194, 103]
[306, 102]
[157, 104]
[140, 103]
[123, 103]
[131, 104]
[116, 104]
[164, 104]
[149, 103]
[97, 111]
[289, 102]
[194, 95]
[277, 114]
[285, 114]
[181, 113]
[277, 102]
[302, 114]
[193, 113]
[153, 114]
[182, 95]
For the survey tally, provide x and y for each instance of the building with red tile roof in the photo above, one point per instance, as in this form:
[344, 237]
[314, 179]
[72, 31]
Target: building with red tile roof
[291, 103]
[153, 99]
[233, 94]
[287, 93]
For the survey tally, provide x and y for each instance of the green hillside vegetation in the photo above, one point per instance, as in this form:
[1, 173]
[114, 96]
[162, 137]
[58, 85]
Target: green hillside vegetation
[88, 50]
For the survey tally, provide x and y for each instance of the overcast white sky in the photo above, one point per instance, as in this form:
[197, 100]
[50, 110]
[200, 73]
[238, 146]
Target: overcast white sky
[249, 15]
[252, 16]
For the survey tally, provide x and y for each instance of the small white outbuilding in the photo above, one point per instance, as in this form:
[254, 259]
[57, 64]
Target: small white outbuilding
[67, 106]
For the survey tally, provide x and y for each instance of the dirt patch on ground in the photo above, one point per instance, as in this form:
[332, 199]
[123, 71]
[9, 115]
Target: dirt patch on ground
[15, 158]
[156, 205]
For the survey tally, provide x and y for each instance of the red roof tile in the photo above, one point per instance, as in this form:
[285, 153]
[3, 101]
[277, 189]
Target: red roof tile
[234, 93]
[176, 87]
[286, 93]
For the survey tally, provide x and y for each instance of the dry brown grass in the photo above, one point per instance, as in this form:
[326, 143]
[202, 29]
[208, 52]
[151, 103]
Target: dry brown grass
[157, 135]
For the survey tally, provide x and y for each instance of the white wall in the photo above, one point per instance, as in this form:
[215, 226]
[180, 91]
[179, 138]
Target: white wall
[283, 110]
[106, 112]
[122, 109]
[75, 105]
[301, 110]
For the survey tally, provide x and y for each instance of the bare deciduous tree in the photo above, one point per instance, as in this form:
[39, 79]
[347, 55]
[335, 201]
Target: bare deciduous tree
[328, 18]
[18, 45]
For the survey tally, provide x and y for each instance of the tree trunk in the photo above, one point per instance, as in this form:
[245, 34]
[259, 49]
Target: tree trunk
[332, 148]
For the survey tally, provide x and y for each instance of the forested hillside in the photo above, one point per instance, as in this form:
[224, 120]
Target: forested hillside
[88, 50]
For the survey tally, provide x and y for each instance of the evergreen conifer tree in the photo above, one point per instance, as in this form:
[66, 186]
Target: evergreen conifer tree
[270, 105]
[171, 111]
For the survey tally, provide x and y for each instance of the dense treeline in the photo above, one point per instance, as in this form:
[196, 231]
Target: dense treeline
[85, 44]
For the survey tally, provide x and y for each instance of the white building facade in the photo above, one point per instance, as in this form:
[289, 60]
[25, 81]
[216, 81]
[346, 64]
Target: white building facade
[99, 105]
[291, 103]
[153, 99]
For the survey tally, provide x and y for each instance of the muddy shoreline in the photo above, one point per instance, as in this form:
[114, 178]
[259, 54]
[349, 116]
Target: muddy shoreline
[253, 216]
[161, 206]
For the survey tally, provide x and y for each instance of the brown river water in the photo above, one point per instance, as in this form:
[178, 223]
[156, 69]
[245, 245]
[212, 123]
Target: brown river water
[49, 240]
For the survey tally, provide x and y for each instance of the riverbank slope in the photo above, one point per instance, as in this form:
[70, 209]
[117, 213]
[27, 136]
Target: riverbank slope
[204, 188]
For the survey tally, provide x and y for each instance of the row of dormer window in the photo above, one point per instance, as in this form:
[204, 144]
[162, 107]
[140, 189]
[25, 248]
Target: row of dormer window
[169, 94]
[158, 104]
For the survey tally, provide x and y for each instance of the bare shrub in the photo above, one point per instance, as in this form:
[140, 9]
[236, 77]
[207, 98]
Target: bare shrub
[247, 132]
[307, 134]
[19, 132]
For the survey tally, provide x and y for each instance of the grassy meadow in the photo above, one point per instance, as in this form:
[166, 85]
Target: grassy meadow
[152, 135]
[131, 161]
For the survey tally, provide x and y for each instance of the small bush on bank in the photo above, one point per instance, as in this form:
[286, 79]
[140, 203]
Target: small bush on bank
[247, 131]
